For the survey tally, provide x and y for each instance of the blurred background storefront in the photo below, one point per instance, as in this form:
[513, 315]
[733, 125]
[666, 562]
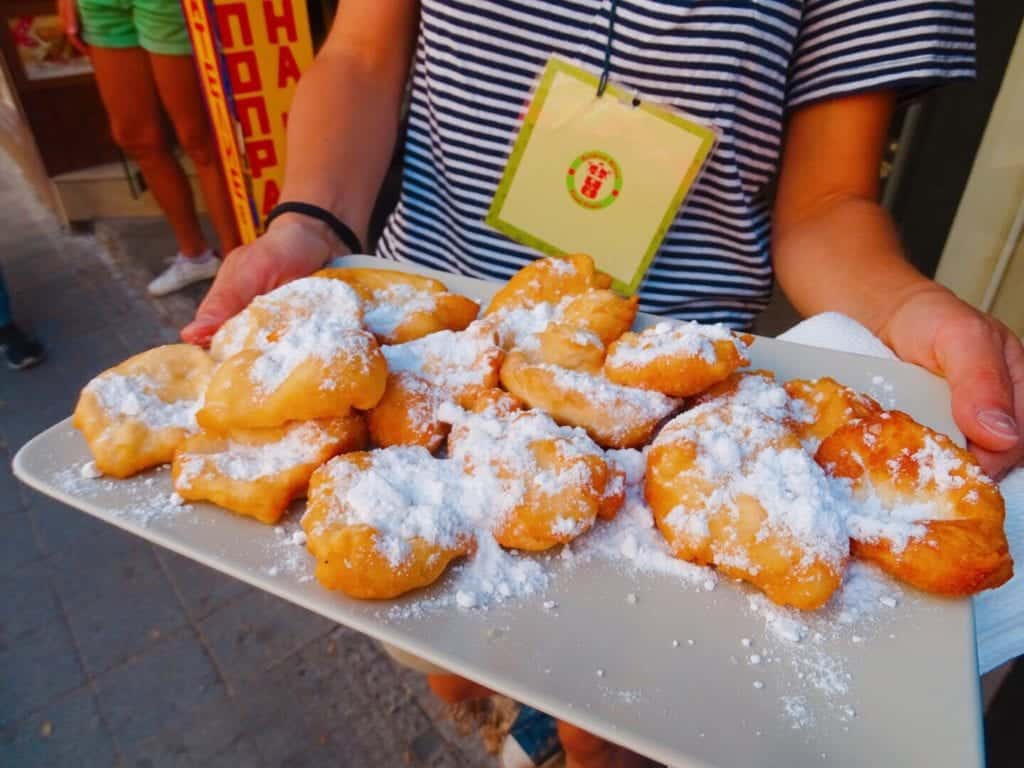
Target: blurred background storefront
[954, 175]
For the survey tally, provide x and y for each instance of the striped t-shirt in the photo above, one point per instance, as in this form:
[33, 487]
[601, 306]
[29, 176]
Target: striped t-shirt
[740, 65]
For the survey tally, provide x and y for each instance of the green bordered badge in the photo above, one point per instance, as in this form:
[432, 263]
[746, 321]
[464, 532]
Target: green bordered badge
[594, 180]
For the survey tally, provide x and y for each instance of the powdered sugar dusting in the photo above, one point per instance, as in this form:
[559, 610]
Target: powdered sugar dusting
[668, 339]
[136, 397]
[394, 304]
[300, 445]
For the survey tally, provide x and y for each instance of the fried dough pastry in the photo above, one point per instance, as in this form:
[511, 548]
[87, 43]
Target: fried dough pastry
[551, 482]
[677, 359]
[614, 416]
[563, 297]
[385, 522]
[297, 353]
[548, 281]
[926, 513]
[135, 414]
[270, 316]
[313, 373]
[258, 472]
[400, 306]
[830, 405]
[730, 485]
[443, 367]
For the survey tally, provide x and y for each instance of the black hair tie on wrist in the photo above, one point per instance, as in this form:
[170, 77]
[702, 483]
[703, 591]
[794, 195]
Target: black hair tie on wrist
[337, 226]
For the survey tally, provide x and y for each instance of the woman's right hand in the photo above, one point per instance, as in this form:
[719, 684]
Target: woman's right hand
[295, 246]
[67, 10]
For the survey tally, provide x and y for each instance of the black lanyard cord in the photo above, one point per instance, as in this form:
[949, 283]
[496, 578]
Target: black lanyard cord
[607, 66]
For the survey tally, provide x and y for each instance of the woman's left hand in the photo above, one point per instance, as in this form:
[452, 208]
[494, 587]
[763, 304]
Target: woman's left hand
[982, 360]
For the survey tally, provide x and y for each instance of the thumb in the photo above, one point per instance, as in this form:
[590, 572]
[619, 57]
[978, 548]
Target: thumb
[220, 304]
[972, 359]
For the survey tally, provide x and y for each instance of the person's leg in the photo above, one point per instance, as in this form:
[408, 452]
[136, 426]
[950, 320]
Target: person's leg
[129, 94]
[19, 349]
[179, 89]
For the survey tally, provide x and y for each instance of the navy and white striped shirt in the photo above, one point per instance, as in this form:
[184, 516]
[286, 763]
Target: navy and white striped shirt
[740, 65]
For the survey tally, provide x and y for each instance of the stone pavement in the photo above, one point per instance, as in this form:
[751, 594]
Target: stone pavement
[115, 652]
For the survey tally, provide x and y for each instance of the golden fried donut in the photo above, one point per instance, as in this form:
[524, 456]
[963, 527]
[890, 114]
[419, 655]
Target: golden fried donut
[446, 366]
[551, 482]
[312, 373]
[601, 312]
[830, 405]
[258, 472]
[400, 306]
[386, 522]
[614, 416]
[926, 513]
[677, 359]
[731, 486]
[273, 314]
[548, 281]
[135, 414]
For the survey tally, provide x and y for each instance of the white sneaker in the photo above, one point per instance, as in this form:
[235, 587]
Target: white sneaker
[184, 271]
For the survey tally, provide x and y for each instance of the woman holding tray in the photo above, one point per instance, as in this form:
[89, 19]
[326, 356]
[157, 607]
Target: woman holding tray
[800, 93]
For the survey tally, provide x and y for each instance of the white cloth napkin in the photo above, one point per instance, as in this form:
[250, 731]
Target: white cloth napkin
[998, 613]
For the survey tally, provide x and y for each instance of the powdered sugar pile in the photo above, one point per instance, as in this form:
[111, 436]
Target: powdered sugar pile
[406, 493]
[395, 304]
[289, 304]
[300, 445]
[667, 339]
[313, 317]
[632, 538]
[448, 359]
[734, 437]
[135, 397]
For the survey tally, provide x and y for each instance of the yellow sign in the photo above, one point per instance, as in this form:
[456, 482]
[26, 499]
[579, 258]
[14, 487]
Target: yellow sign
[600, 175]
[264, 48]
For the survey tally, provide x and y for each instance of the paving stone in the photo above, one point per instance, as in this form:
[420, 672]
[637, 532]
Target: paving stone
[12, 492]
[110, 560]
[28, 602]
[125, 621]
[17, 541]
[159, 690]
[41, 665]
[251, 634]
[60, 527]
[66, 732]
[312, 728]
[211, 735]
[201, 589]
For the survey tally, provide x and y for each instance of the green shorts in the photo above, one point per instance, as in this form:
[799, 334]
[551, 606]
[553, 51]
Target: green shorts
[158, 26]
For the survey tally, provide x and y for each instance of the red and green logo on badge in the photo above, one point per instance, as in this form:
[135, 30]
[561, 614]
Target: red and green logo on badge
[594, 180]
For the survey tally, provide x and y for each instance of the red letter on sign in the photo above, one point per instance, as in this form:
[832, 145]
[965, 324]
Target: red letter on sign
[287, 67]
[271, 194]
[252, 104]
[224, 14]
[243, 71]
[262, 155]
[285, 21]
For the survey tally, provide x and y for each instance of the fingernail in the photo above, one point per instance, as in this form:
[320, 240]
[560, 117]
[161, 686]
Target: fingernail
[998, 423]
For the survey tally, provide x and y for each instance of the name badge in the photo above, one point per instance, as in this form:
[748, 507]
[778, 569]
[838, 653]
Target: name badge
[603, 175]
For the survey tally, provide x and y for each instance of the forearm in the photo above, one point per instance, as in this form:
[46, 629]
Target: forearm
[341, 135]
[846, 257]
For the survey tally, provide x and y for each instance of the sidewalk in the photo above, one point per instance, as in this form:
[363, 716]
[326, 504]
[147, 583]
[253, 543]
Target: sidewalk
[115, 652]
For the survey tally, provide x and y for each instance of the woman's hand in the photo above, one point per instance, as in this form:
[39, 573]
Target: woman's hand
[982, 360]
[67, 10]
[295, 246]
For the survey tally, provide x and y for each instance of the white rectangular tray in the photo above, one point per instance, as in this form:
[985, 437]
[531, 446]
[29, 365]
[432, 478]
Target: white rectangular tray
[646, 660]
